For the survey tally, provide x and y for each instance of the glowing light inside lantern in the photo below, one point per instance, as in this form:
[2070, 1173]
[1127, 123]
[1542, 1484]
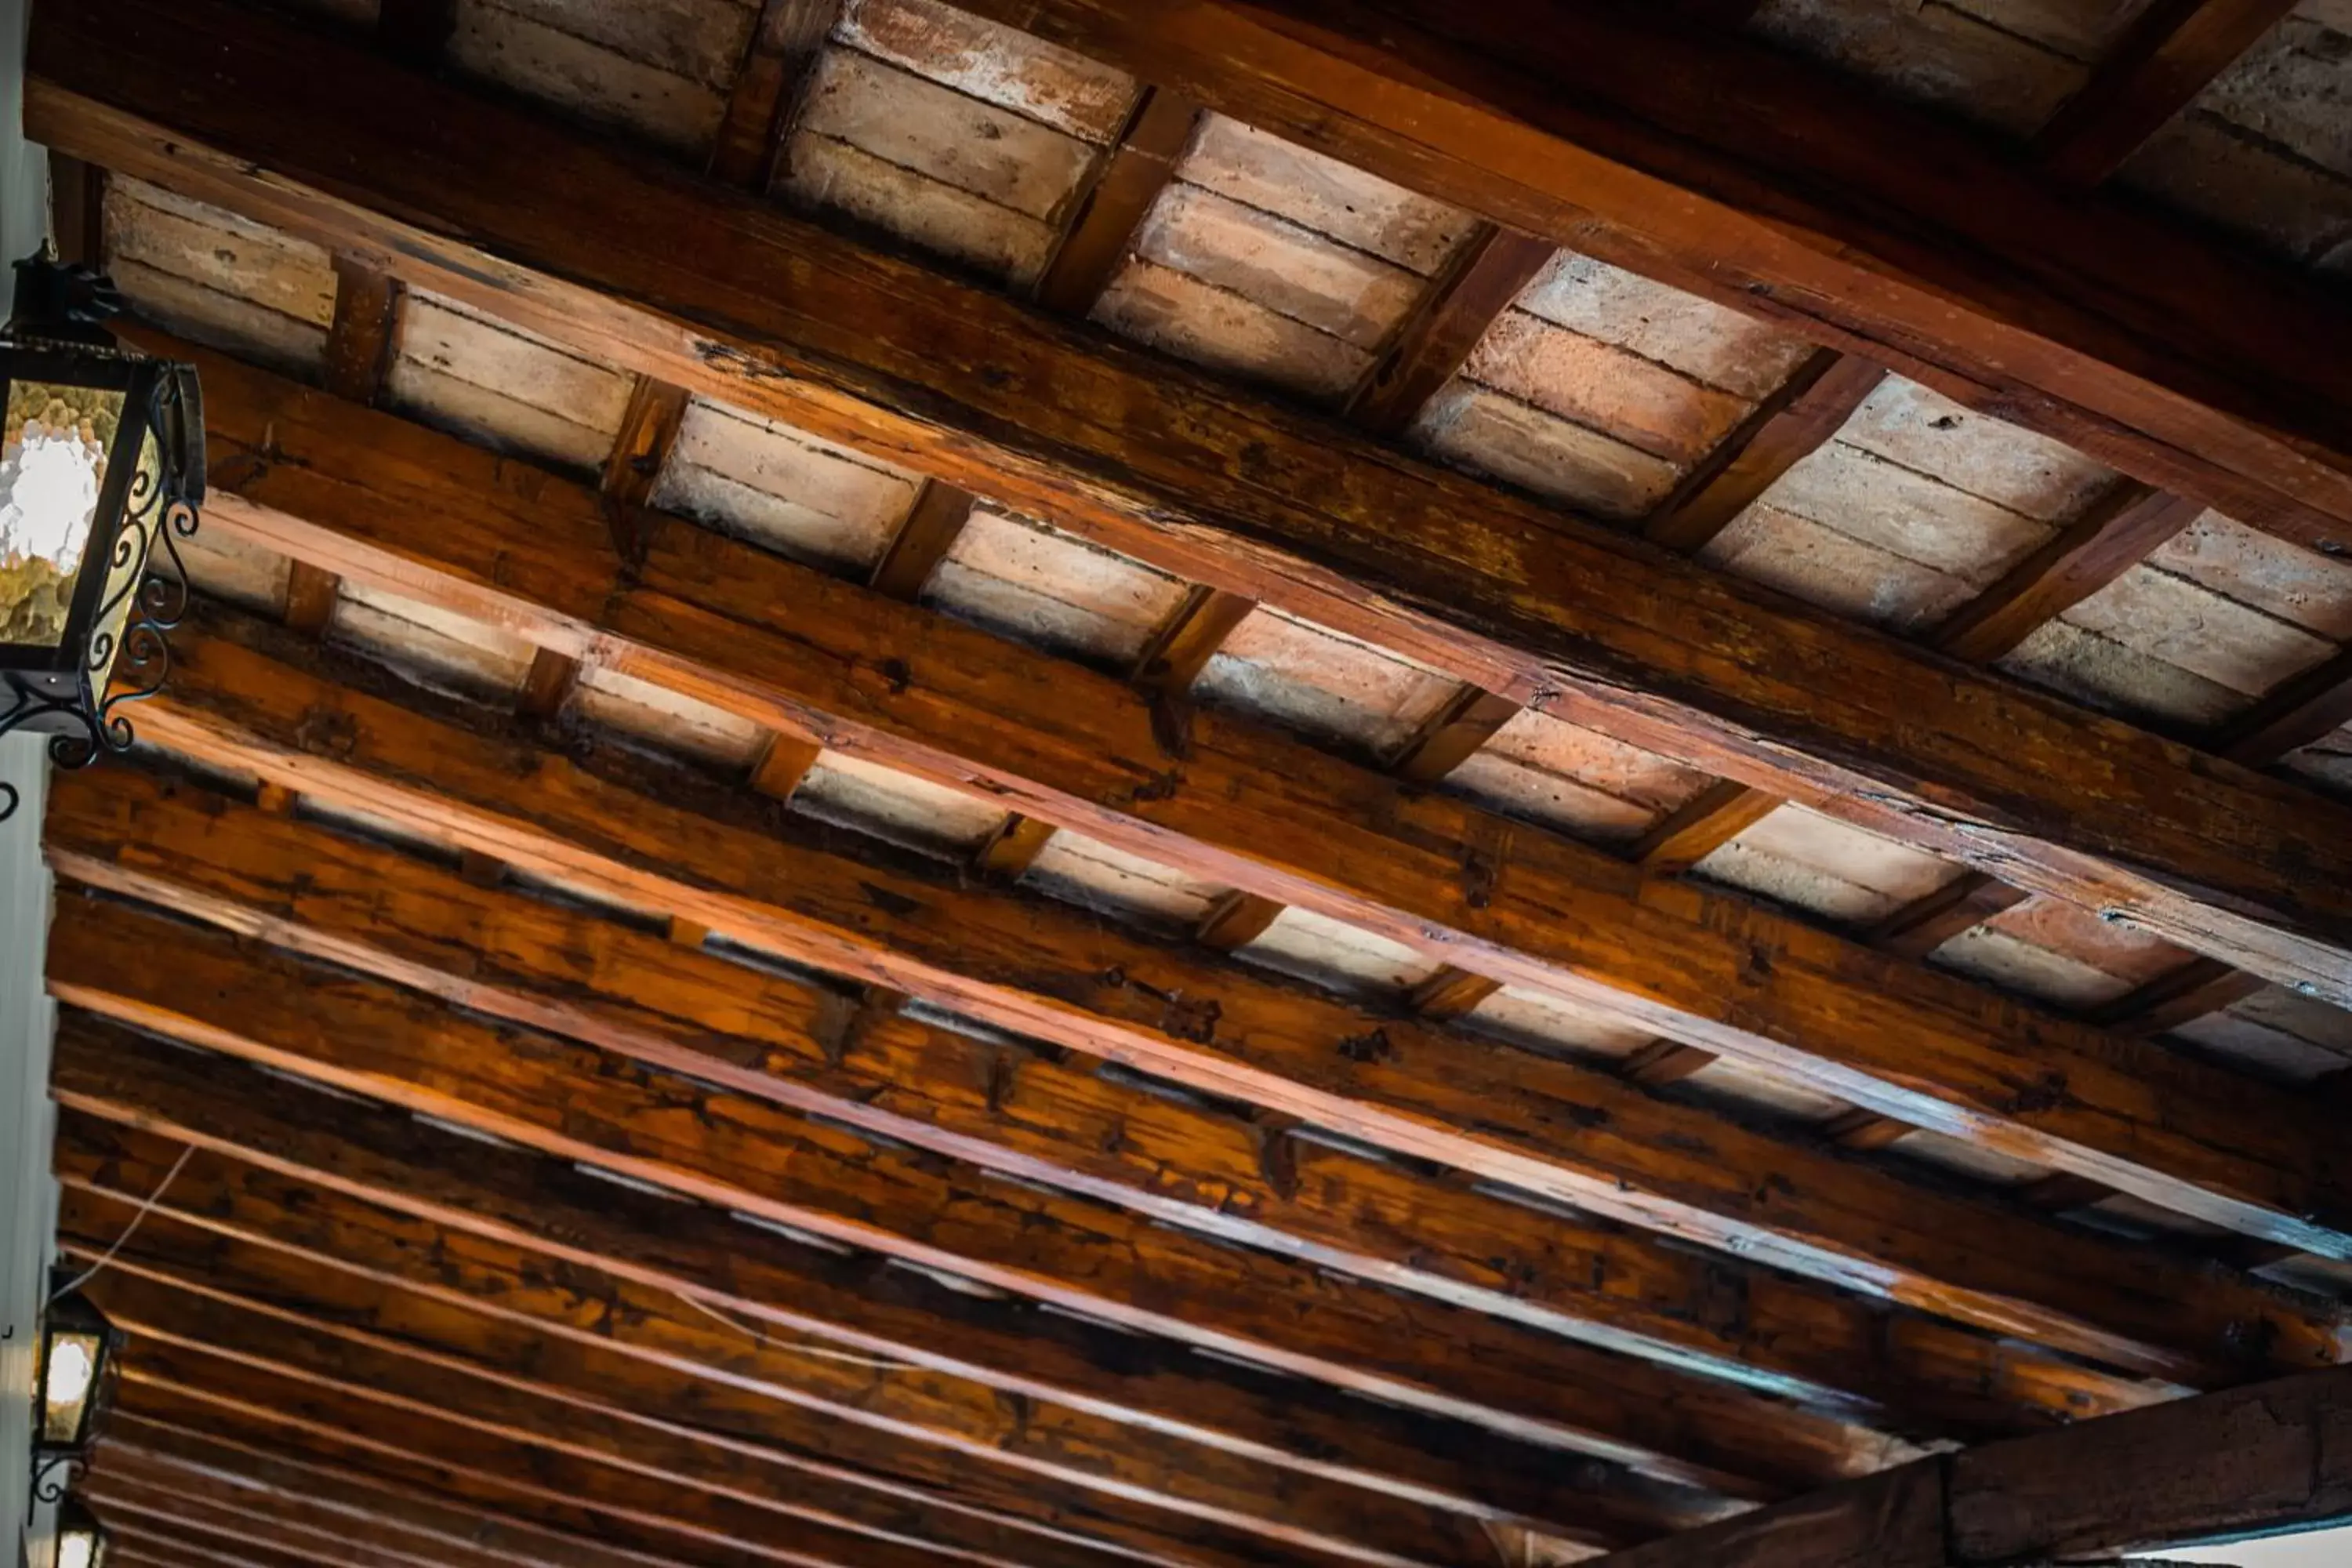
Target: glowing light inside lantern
[73, 1365]
[53, 455]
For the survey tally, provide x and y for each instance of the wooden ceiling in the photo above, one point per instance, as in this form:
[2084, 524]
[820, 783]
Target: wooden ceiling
[1227, 784]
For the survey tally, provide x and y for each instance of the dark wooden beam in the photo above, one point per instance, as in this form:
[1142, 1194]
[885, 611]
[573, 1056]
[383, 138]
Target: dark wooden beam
[797, 1288]
[358, 349]
[626, 1423]
[1709, 820]
[1720, 164]
[2114, 536]
[785, 43]
[307, 1489]
[793, 650]
[1928, 923]
[239, 1537]
[2248, 1462]
[1798, 419]
[416, 32]
[2172, 52]
[77, 211]
[1010, 403]
[1488, 273]
[382, 912]
[1067, 978]
[804, 1173]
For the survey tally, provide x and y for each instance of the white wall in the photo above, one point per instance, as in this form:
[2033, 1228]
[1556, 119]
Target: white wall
[28, 1196]
[2314, 1549]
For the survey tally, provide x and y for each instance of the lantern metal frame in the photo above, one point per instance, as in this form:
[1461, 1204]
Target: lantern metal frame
[54, 1464]
[76, 691]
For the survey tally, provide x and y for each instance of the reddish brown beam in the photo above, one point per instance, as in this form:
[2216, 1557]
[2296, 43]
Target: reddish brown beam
[1799, 419]
[358, 349]
[2116, 534]
[1138, 170]
[1185, 643]
[1710, 819]
[922, 541]
[785, 43]
[2172, 52]
[1454, 313]
[2191, 992]
[1467, 722]
[1034, 413]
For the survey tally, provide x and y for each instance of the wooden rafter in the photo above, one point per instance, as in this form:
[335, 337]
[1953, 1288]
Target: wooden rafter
[1459, 1103]
[1486, 274]
[1716, 163]
[1126, 183]
[2090, 1493]
[2173, 51]
[976, 707]
[2001, 797]
[238, 871]
[1798, 419]
[797, 1290]
[785, 42]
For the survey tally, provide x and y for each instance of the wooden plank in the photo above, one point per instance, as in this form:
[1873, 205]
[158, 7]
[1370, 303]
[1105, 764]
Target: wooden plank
[245, 1539]
[1467, 722]
[2173, 50]
[2252, 1461]
[538, 1205]
[1107, 1265]
[1238, 920]
[790, 649]
[1723, 165]
[648, 430]
[1452, 993]
[1709, 820]
[1001, 399]
[421, 1456]
[1074, 1371]
[1009, 855]
[1798, 419]
[2114, 536]
[761, 105]
[311, 598]
[1182, 648]
[358, 339]
[1065, 979]
[1965, 902]
[308, 1489]
[608, 1417]
[1125, 186]
[386, 913]
[1447, 324]
[2196, 988]
[922, 541]
[783, 762]
[2313, 705]
[547, 685]
[367, 1396]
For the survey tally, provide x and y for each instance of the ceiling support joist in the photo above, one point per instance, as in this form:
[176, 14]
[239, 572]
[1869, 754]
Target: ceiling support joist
[1016, 407]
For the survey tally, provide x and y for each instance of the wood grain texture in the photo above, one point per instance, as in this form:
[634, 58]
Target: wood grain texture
[1036, 1118]
[1126, 185]
[759, 106]
[922, 541]
[2116, 534]
[1051, 973]
[1183, 647]
[845, 1301]
[1797, 420]
[1446, 324]
[791, 650]
[2173, 50]
[802, 1173]
[1997, 780]
[1719, 164]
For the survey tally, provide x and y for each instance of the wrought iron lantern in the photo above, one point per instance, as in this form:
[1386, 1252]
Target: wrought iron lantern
[81, 1541]
[101, 460]
[81, 1351]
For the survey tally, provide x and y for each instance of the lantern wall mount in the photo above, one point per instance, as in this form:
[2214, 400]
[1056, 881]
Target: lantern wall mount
[101, 460]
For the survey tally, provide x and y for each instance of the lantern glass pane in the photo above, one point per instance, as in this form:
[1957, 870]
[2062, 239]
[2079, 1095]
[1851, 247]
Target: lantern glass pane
[79, 1547]
[53, 455]
[67, 1384]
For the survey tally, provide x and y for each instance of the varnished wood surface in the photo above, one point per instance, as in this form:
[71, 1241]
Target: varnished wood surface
[1051, 973]
[790, 649]
[1998, 779]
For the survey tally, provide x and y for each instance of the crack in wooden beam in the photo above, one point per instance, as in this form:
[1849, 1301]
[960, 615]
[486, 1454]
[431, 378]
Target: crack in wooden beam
[2172, 51]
